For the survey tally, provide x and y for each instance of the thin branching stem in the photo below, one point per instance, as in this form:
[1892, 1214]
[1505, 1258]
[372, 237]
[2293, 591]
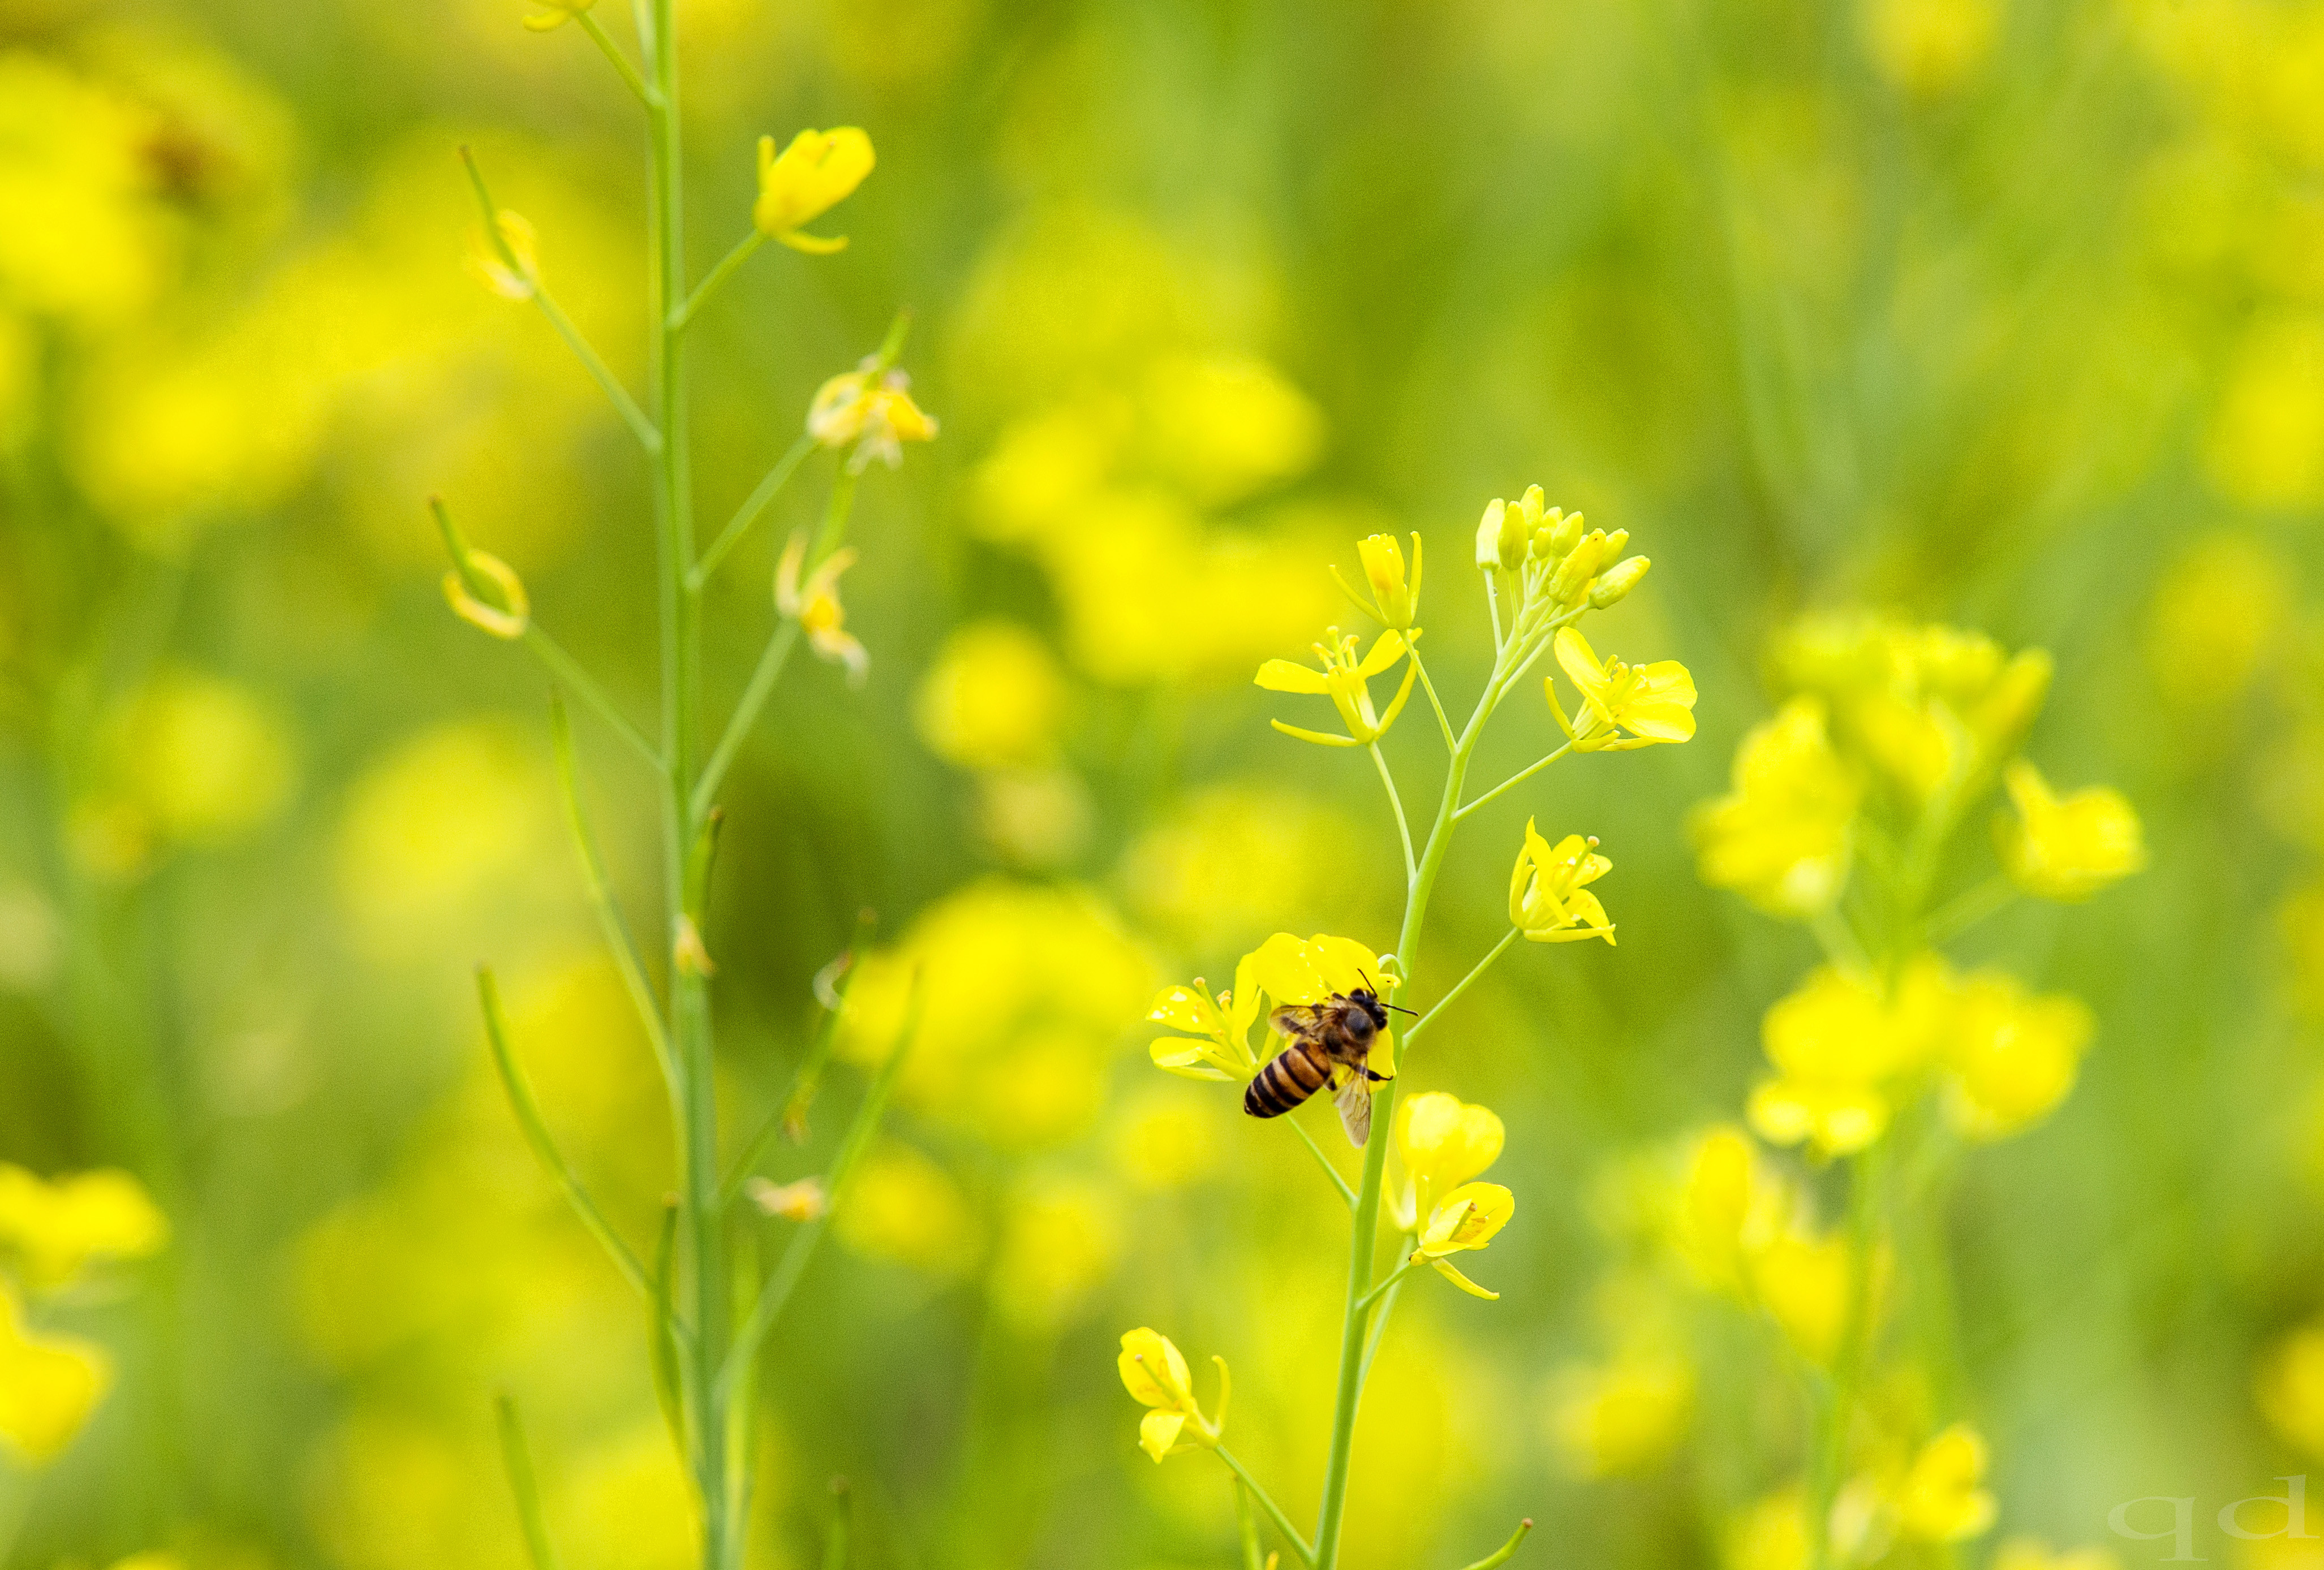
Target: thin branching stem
[1403, 829]
[577, 680]
[1323, 1161]
[615, 58]
[1442, 1004]
[1958, 915]
[1452, 742]
[524, 1485]
[1514, 781]
[760, 687]
[1281, 1523]
[748, 513]
[626, 958]
[1502, 1555]
[744, 248]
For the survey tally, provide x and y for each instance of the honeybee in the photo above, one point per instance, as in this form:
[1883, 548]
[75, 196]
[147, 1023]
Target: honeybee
[1326, 1038]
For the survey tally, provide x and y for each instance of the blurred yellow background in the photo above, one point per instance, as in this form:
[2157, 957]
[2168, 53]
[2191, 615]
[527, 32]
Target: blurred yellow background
[2007, 314]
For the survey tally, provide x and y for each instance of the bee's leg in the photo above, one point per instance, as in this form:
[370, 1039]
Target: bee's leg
[1376, 1079]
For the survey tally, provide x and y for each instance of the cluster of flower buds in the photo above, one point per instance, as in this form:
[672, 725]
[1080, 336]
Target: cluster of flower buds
[1560, 560]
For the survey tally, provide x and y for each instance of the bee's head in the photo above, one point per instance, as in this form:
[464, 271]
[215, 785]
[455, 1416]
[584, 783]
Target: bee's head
[1367, 997]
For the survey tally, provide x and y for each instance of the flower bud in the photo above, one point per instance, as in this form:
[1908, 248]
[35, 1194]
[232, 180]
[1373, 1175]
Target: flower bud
[1618, 581]
[1530, 504]
[1396, 599]
[1567, 532]
[1615, 542]
[1581, 565]
[1489, 534]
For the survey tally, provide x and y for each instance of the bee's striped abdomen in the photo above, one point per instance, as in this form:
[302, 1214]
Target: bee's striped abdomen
[1289, 1077]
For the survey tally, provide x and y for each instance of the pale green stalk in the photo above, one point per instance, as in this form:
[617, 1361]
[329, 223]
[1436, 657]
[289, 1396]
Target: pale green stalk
[1839, 1407]
[748, 513]
[1306, 1555]
[615, 58]
[744, 248]
[1502, 1555]
[523, 1484]
[1445, 1002]
[1339, 1182]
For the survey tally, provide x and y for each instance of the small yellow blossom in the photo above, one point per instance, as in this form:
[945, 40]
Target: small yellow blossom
[1217, 1042]
[815, 605]
[49, 1386]
[2012, 1057]
[1623, 1418]
[1622, 706]
[1838, 1044]
[1293, 969]
[870, 409]
[803, 1201]
[818, 171]
[57, 1229]
[1467, 1218]
[1548, 901]
[1342, 678]
[1942, 1499]
[491, 256]
[555, 14]
[1394, 600]
[1441, 1141]
[1156, 1376]
[1781, 837]
[2066, 849]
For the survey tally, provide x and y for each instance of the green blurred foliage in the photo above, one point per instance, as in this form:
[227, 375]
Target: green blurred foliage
[2008, 313]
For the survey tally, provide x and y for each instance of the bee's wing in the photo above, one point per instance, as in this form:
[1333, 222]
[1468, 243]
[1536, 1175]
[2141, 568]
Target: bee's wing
[1355, 1104]
[1301, 1022]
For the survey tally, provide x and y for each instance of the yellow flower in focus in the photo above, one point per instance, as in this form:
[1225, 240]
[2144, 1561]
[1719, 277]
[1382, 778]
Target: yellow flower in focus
[1441, 1142]
[815, 605]
[489, 255]
[1156, 1376]
[2012, 1057]
[57, 1229]
[1469, 1217]
[1548, 901]
[873, 410]
[2032, 1554]
[902, 1207]
[48, 1385]
[1217, 1044]
[818, 171]
[1781, 837]
[1343, 679]
[1652, 702]
[1394, 600]
[1838, 1044]
[555, 14]
[1942, 1499]
[1623, 1418]
[995, 698]
[2290, 1387]
[2067, 850]
[1805, 1283]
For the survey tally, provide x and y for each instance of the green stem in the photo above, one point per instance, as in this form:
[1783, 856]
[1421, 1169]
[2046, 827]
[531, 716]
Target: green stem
[1323, 1161]
[576, 680]
[744, 248]
[1445, 1002]
[1964, 912]
[522, 1484]
[1502, 1555]
[1368, 1195]
[1368, 1299]
[626, 958]
[648, 435]
[544, 1147]
[790, 1117]
[1847, 1373]
[1247, 1527]
[761, 687]
[615, 58]
[748, 513]
[1379, 1327]
[1281, 1523]
[1403, 829]
[835, 1548]
[1451, 743]
[1514, 781]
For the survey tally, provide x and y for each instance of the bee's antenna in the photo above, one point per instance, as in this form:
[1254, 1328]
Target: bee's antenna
[1373, 988]
[1400, 1008]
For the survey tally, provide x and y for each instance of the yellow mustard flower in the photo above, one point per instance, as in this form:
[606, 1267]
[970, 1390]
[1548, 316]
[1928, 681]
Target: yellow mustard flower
[1782, 835]
[1394, 600]
[1217, 1042]
[1622, 706]
[57, 1229]
[818, 171]
[814, 603]
[1468, 1217]
[1441, 1141]
[1293, 969]
[48, 1385]
[1838, 1044]
[2011, 1057]
[1942, 1499]
[2066, 849]
[1342, 678]
[555, 14]
[872, 410]
[1548, 901]
[1156, 1376]
[2033, 1554]
[1806, 1282]
[1622, 1418]
[490, 255]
